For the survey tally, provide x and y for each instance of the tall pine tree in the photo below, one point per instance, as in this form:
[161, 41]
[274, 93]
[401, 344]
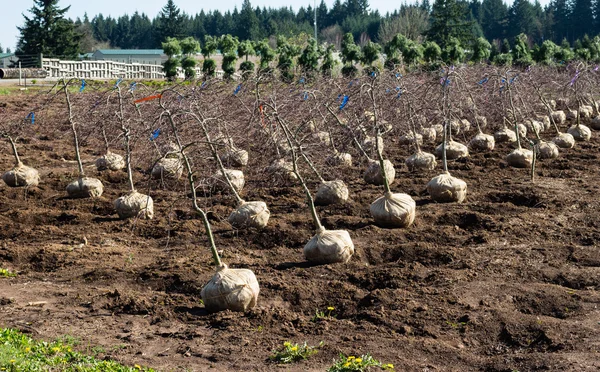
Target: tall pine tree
[48, 32]
[449, 19]
[170, 22]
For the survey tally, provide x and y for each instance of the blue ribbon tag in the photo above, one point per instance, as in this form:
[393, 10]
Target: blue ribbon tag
[155, 134]
[83, 84]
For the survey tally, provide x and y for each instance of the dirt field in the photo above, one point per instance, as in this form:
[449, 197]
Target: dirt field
[506, 281]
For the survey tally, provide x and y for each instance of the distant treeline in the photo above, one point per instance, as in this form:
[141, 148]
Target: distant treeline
[492, 19]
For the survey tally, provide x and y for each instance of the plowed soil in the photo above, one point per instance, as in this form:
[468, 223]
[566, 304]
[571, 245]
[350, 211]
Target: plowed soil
[507, 280]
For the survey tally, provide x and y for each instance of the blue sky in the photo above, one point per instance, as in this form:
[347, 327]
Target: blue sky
[11, 15]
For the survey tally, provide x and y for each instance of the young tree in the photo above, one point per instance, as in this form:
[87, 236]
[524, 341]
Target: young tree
[266, 53]
[481, 50]
[309, 59]
[393, 50]
[350, 53]
[287, 52]
[172, 49]
[48, 32]
[245, 50]
[229, 46]
[209, 66]
[170, 22]
[521, 52]
[189, 48]
[370, 54]
[329, 62]
[453, 52]
[412, 53]
[431, 52]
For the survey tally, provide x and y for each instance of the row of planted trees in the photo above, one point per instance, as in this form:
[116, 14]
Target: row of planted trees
[303, 55]
[202, 139]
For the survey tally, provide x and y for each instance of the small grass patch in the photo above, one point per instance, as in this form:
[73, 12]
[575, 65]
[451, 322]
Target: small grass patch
[19, 352]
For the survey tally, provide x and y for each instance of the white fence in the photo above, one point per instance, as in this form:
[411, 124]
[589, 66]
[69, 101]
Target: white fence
[107, 70]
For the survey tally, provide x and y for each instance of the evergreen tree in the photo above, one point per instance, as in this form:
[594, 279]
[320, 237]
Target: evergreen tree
[286, 52]
[1, 50]
[481, 50]
[522, 20]
[370, 54]
[431, 52]
[449, 20]
[582, 18]
[350, 53]
[494, 18]
[48, 32]
[521, 53]
[170, 22]
[228, 45]
[266, 53]
[247, 24]
[209, 66]
[329, 61]
[453, 52]
[245, 50]
[323, 16]
[309, 59]
[561, 12]
[172, 49]
[189, 48]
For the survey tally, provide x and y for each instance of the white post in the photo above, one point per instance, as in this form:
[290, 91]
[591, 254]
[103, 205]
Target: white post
[20, 73]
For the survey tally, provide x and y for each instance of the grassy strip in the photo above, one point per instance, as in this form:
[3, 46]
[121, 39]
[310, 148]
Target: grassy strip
[19, 352]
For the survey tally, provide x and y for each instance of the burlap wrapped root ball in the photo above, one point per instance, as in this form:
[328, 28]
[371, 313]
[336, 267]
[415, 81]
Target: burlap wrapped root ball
[534, 126]
[548, 150]
[369, 144]
[394, 210]
[439, 130]
[586, 111]
[323, 137]
[410, 139]
[329, 246]
[110, 161]
[236, 177]
[235, 157]
[545, 120]
[282, 169]
[482, 120]
[85, 187]
[454, 150]
[421, 161]
[564, 140]
[482, 142]
[559, 117]
[580, 132]
[339, 159]
[520, 158]
[373, 174]
[331, 192]
[465, 125]
[571, 114]
[230, 289]
[171, 168]
[250, 214]
[505, 135]
[595, 123]
[21, 176]
[429, 134]
[447, 189]
[455, 126]
[135, 205]
[560, 103]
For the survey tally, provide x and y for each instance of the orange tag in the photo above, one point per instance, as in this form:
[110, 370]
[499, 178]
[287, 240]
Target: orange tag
[150, 98]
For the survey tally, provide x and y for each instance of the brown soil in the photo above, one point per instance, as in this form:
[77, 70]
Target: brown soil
[506, 281]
